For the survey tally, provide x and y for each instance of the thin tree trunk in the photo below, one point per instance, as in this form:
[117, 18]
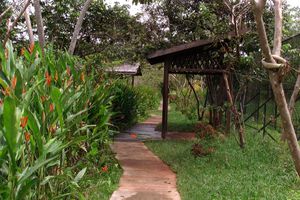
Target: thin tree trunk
[40, 25]
[274, 76]
[196, 97]
[29, 27]
[237, 118]
[11, 27]
[292, 103]
[294, 95]
[4, 13]
[78, 26]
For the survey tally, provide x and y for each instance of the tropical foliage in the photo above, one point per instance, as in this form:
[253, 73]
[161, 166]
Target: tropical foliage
[132, 104]
[49, 119]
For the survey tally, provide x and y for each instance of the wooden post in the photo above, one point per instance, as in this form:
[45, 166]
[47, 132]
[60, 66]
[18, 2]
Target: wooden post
[265, 111]
[132, 80]
[165, 100]
[228, 111]
[258, 105]
[228, 121]
[275, 115]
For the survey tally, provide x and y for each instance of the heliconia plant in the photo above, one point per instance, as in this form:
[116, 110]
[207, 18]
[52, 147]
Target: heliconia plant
[50, 112]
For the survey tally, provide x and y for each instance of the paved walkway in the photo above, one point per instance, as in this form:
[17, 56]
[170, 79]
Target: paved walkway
[145, 176]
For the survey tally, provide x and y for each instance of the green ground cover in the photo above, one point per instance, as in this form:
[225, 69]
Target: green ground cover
[263, 170]
[178, 122]
[99, 182]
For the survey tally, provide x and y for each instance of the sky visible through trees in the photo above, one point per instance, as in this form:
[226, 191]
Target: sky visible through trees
[137, 8]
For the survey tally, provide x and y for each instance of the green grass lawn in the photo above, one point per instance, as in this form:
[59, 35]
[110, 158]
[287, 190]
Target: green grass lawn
[178, 122]
[263, 170]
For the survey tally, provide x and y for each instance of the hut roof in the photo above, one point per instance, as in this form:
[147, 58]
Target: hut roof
[126, 69]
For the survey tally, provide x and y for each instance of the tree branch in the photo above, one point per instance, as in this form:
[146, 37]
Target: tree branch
[278, 27]
[11, 27]
[29, 27]
[39, 22]
[4, 13]
[258, 8]
[294, 96]
[78, 26]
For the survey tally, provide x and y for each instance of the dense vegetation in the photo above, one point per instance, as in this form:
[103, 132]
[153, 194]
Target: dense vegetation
[49, 119]
[132, 104]
[59, 112]
[53, 124]
[261, 171]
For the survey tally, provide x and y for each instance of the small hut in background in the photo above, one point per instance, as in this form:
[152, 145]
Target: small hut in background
[126, 69]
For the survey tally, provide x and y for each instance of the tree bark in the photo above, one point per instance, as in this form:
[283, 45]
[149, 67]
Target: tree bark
[78, 26]
[237, 119]
[29, 27]
[294, 96]
[15, 22]
[274, 76]
[4, 13]
[40, 25]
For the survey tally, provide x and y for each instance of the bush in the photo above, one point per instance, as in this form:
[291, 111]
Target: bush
[132, 104]
[148, 99]
[50, 113]
[124, 106]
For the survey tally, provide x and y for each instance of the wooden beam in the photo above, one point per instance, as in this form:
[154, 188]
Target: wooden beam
[198, 71]
[132, 80]
[228, 121]
[165, 100]
[161, 55]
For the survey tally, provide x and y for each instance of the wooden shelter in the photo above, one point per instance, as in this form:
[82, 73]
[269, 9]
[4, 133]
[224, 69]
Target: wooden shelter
[127, 69]
[202, 57]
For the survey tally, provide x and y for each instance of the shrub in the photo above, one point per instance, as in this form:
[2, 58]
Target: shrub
[50, 111]
[132, 104]
[124, 106]
[148, 99]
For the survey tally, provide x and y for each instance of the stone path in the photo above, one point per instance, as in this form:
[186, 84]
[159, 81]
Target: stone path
[145, 176]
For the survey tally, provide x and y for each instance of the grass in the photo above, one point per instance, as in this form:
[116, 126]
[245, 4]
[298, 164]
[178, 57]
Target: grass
[178, 122]
[98, 184]
[263, 170]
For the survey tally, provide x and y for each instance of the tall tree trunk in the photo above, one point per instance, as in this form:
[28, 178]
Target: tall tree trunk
[274, 75]
[11, 27]
[78, 26]
[237, 118]
[39, 22]
[29, 27]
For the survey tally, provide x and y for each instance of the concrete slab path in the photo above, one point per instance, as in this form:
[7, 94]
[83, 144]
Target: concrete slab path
[145, 176]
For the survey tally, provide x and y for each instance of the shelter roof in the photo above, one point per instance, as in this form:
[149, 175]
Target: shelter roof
[292, 38]
[126, 69]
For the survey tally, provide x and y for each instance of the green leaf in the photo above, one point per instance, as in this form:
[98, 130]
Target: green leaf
[19, 86]
[72, 117]
[56, 97]
[47, 179]
[11, 62]
[34, 127]
[24, 189]
[79, 175]
[30, 171]
[3, 153]
[10, 125]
